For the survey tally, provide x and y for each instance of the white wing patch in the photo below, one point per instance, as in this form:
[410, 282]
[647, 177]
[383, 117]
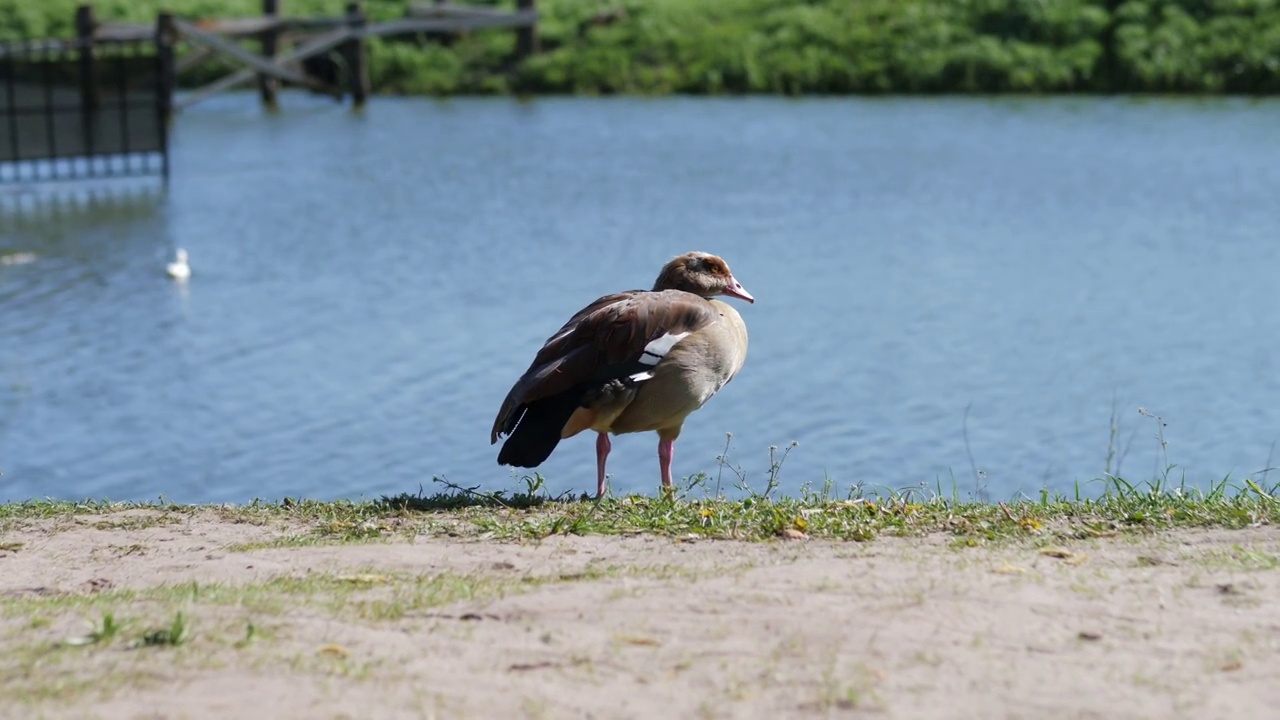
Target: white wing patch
[659, 347]
[655, 351]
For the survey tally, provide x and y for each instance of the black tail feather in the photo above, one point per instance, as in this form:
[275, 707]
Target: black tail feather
[538, 431]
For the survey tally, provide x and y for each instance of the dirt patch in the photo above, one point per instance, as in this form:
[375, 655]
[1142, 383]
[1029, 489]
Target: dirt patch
[137, 615]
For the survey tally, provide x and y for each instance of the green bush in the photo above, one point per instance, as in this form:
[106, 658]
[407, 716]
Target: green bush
[797, 47]
[1200, 45]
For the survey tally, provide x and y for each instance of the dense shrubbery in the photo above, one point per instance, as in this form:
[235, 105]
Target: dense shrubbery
[1199, 45]
[790, 46]
[834, 47]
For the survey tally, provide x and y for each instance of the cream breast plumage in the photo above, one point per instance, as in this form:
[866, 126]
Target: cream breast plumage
[634, 361]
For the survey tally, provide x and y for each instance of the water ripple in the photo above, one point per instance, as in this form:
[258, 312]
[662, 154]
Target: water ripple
[926, 270]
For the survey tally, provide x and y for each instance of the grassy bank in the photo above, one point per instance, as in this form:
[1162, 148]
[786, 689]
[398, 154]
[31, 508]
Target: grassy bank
[304, 609]
[402, 602]
[530, 514]
[823, 46]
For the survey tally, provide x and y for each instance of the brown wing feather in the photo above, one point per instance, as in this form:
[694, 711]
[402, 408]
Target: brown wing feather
[612, 331]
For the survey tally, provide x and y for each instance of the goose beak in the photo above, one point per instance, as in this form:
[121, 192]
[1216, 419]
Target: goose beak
[733, 288]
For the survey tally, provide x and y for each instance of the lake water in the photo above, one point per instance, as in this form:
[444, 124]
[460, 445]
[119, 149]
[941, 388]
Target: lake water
[367, 287]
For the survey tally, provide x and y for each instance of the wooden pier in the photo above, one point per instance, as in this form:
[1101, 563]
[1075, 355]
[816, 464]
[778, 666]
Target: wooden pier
[99, 104]
[285, 43]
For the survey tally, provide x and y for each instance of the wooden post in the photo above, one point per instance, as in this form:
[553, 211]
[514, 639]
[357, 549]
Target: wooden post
[270, 41]
[89, 96]
[526, 35]
[353, 52]
[166, 37]
[446, 38]
[90, 99]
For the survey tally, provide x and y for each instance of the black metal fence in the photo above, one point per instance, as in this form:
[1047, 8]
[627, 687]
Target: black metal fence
[72, 109]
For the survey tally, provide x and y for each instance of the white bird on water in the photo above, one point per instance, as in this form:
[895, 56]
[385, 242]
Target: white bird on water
[19, 258]
[179, 269]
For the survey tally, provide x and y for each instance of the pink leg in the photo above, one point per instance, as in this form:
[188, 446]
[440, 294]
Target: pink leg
[603, 446]
[666, 448]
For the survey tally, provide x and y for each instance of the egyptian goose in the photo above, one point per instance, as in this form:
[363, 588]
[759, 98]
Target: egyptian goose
[630, 362]
[179, 269]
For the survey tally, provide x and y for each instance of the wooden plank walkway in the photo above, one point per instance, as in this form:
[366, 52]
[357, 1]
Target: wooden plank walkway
[221, 37]
[313, 46]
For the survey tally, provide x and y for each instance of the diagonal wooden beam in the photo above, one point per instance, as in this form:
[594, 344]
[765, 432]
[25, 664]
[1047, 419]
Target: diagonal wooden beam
[453, 23]
[314, 46]
[192, 59]
[195, 35]
[240, 27]
[436, 10]
[120, 31]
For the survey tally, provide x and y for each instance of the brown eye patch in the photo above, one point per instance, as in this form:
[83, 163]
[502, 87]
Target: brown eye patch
[713, 266]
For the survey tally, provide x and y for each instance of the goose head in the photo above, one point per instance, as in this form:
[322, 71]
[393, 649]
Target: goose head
[702, 274]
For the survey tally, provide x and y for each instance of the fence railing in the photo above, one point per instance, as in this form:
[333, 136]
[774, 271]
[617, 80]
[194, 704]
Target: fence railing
[72, 109]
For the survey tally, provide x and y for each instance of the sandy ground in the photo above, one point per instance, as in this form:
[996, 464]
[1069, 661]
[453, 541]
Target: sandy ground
[1182, 624]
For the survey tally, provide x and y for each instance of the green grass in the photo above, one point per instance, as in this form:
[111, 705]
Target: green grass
[698, 508]
[365, 594]
[327, 592]
[1240, 558]
[796, 46]
[694, 512]
[211, 625]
